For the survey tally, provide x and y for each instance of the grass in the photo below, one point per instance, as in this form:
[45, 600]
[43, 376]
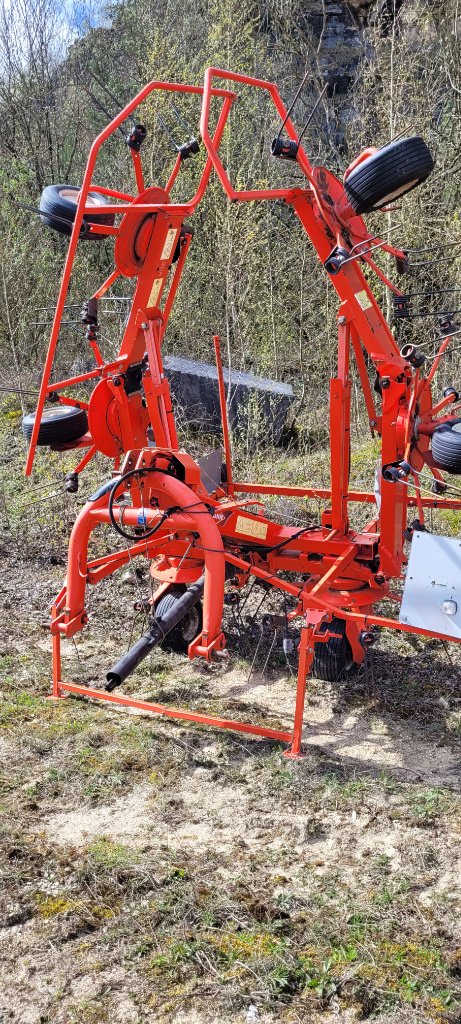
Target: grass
[360, 967]
[53, 906]
[324, 893]
[107, 854]
[22, 708]
[334, 935]
[428, 804]
[87, 1012]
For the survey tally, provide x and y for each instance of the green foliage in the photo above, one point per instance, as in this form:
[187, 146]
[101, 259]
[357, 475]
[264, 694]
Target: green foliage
[250, 274]
[108, 854]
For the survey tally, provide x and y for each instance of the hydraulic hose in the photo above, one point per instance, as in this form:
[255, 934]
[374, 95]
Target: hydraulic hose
[157, 631]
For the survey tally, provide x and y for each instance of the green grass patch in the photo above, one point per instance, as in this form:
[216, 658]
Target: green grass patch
[106, 853]
[21, 708]
[427, 804]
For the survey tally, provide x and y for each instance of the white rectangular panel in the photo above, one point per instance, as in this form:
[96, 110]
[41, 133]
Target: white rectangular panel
[432, 592]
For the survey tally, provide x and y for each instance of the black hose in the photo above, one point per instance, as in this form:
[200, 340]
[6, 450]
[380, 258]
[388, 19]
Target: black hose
[140, 535]
[157, 632]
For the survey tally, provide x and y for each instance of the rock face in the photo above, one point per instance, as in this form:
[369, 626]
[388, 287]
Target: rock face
[255, 403]
[339, 29]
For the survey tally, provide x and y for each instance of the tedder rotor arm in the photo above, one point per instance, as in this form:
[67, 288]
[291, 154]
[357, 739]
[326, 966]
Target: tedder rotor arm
[322, 226]
[124, 206]
[336, 232]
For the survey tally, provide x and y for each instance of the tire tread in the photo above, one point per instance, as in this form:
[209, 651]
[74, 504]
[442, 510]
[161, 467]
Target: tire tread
[387, 171]
[331, 659]
[60, 429]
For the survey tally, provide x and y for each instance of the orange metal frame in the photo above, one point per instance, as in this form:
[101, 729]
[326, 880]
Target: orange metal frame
[332, 570]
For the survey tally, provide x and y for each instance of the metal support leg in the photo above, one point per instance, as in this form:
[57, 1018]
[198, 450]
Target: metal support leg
[306, 655]
[56, 693]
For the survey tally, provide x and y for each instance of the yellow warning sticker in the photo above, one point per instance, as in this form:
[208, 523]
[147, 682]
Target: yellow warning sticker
[155, 291]
[169, 243]
[363, 300]
[251, 527]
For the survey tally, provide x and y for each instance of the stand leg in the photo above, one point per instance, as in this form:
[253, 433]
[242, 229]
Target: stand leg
[56, 693]
[306, 655]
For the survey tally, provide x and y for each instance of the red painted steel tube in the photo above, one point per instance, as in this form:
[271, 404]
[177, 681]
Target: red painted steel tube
[324, 493]
[443, 347]
[341, 563]
[99, 569]
[350, 283]
[174, 173]
[56, 649]
[188, 716]
[306, 654]
[340, 400]
[172, 492]
[262, 574]
[438, 408]
[86, 459]
[382, 276]
[59, 384]
[402, 627]
[90, 516]
[178, 269]
[212, 149]
[98, 372]
[364, 379]
[104, 287]
[353, 288]
[158, 392]
[112, 192]
[322, 603]
[137, 165]
[101, 229]
[132, 211]
[224, 419]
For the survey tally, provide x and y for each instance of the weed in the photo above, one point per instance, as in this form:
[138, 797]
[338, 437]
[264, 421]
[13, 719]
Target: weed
[21, 708]
[88, 1012]
[382, 862]
[426, 805]
[108, 854]
[53, 906]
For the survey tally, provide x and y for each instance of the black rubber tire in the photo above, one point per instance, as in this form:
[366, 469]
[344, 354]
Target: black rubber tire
[58, 210]
[333, 659]
[187, 629]
[446, 446]
[388, 174]
[60, 424]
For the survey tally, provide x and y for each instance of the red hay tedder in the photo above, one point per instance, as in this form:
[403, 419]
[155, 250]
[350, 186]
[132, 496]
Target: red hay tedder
[204, 547]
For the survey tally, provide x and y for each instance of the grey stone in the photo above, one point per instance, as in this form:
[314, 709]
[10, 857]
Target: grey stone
[255, 403]
[340, 29]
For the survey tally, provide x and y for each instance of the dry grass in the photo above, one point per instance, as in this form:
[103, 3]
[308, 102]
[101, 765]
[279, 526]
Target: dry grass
[156, 872]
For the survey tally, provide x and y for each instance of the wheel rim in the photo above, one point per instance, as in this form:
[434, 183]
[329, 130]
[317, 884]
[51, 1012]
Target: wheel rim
[398, 192]
[73, 196]
[58, 414]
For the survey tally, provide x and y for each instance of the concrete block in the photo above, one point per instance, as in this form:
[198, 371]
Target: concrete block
[255, 403]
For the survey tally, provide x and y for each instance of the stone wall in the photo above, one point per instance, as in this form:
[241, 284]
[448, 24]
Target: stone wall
[340, 31]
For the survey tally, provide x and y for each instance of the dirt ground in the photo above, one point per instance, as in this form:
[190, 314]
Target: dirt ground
[153, 871]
